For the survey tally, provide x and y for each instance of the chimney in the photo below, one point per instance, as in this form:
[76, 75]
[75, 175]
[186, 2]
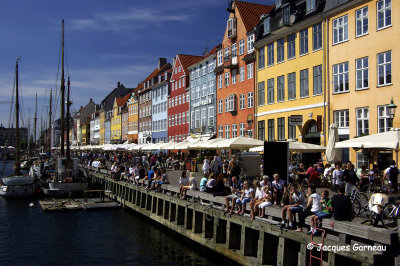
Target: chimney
[118, 84]
[161, 62]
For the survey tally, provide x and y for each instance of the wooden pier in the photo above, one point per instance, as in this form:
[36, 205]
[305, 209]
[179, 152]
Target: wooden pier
[259, 242]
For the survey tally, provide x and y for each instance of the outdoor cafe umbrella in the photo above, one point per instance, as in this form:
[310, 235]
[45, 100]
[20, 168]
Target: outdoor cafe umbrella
[295, 146]
[333, 154]
[239, 143]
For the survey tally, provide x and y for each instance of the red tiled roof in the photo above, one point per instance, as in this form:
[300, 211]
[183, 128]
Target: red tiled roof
[188, 60]
[157, 71]
[250, 13]
[123, 100]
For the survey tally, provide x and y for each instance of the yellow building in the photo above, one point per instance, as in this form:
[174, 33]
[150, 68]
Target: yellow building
[289, 85]
[102, 126]
[363, 53]
[133, 118]
[116, 121]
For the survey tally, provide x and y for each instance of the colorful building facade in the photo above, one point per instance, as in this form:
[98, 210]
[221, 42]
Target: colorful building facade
[133, 118]
[178, 101]
[235, 71]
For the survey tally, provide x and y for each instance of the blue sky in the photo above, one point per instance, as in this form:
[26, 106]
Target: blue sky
[106, 42]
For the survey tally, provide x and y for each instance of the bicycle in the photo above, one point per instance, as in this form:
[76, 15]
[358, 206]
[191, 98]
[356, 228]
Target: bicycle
[359, 201]
[390, 216]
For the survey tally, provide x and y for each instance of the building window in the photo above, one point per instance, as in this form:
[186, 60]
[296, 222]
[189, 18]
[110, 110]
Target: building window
[281, 128]
[204, 117]
[250, 100]
[241, 47]
[280, 89]
[271, 130]
[271, 54]
[261, 58]
[234, 131]
[341, 119]
[291, 46]
[261, 130]
[227, 131]
[304, 41]
[234, 50]
[183, 117]
[250, 71]
[310, 5]
[304, 83]
[385, 123]
[241, 101]
[226, 105]
[250, 43]
[317, 80]
[226, 54]
[241, 74]
[191, 120]
[211, 87]
[341, 77]
[270, 91]
[291, 130]
[281, 50]
[385, 68]
[362, 21]
[233, 76]
[261, 93]
[267, 25]
[362, 121]
[242, 129]
[198, 92]
[340, 29]
[197, 118]
[292, 86]
[204, 91]
[384, 9]
[362, 73]
[221, 131]
[226, 79]
[211, 117]
[220, 107]
[219, 57]
[219, 81]
[231, 103]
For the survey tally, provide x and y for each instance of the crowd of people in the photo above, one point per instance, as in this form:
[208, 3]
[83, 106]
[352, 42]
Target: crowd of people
[222, 178]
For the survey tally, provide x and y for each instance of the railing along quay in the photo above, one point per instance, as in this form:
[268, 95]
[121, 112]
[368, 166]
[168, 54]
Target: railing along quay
[251, 242]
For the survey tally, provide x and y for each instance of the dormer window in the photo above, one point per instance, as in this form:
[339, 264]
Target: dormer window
[310, 5]
[286, 15]
[231, 25]
[267, 25]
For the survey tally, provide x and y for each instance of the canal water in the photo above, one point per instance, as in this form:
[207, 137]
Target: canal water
[95, 237]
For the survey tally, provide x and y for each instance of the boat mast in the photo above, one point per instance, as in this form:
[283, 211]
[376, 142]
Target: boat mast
[17, 164]
[68, 103]
[50, 121]
[62, 90]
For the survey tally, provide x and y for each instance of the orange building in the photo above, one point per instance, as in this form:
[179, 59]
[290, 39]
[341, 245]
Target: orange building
[235, 71]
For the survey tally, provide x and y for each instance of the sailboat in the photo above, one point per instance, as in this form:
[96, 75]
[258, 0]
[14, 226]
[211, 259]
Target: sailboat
[67, 178]
[17, 185]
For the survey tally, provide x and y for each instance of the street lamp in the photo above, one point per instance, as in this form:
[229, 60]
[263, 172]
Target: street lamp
[391, 109]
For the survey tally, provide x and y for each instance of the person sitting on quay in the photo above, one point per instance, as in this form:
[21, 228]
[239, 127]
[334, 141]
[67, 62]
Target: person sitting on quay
[219, 187]
[326, 212]
[192, 185]
[211, 183]
[278, 188]
[236, 192]
[247, 196]
[257, 200]
[314, 201]
[150, 176]
[203, 183]
[266, 182]
[341, 205]
[266, 201]
[183, 181]
[296, 205]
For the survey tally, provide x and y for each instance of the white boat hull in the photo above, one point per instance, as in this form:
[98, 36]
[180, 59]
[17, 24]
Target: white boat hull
[17, 191]
[68, 186]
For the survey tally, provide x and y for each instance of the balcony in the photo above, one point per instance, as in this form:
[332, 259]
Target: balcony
[231, 62]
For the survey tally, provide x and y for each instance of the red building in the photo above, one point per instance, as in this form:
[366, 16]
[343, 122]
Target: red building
[178, 100]
[235, 71]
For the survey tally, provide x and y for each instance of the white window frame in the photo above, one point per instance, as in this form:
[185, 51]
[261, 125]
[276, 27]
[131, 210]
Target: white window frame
[383, 10]
[219, 58]
[383, 116]
[227, 131]
[250, 43]
[362, 68]
[183, 117]
[221, 131]
[340, 29]
[242, 101]
[234, 80]
[361, 19]
[250, 99]
[234, 131]
[242, 129]
[241, 47]
[220, 106]
[197, 118]
[211, 116]
[241, 74]
[204, 117]
[362, 115]
[303, 41]
[226, 79]
[219, 81]
[192, 120]
[250, 71]
[340, 77]
[383, 66]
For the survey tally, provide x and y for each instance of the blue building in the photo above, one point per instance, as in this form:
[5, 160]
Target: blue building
[203, 95]
[159, 106]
